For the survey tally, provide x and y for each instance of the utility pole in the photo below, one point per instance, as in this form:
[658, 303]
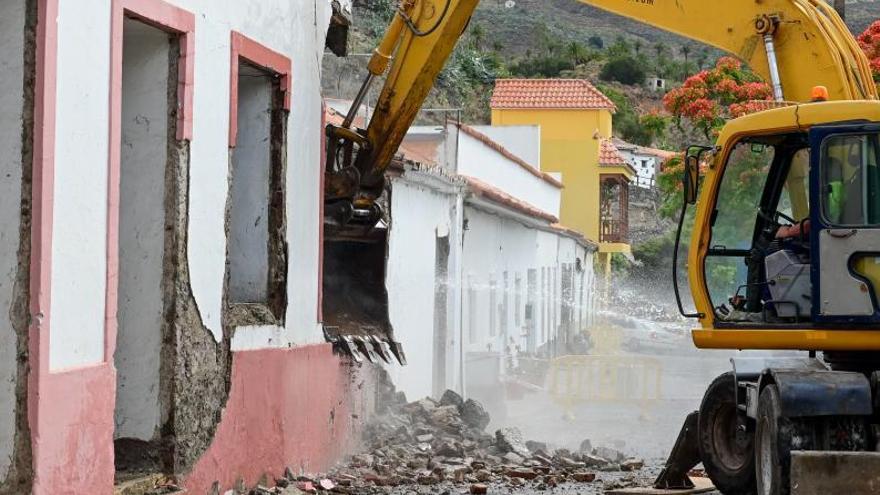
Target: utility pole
[840, 7]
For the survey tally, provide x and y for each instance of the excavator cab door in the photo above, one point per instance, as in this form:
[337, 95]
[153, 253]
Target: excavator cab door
[845, 218]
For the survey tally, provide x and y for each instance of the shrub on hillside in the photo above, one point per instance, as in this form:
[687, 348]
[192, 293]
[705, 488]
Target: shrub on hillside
[711, 97]
[547, 66]
[625, 70]
[870, 43]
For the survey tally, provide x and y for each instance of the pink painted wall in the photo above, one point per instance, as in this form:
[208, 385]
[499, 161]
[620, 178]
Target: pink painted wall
[300, 408]
[73, 442]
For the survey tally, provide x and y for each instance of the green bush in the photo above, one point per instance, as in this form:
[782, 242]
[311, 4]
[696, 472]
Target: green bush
[547, 66]
[625, 70]
[627, 125]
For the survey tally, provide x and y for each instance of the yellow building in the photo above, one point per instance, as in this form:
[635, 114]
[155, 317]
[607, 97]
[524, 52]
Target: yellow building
[576, 122]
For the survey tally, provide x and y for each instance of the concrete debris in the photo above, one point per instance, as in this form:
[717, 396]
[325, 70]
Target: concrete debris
[479, 488]
[511, 440]
[434, 444]
[474, 415]
[451, 398]
[609, 453]
[586, 447]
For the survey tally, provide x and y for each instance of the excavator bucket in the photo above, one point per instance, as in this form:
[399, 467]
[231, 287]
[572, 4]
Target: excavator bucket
[355, 300]
[684, 457]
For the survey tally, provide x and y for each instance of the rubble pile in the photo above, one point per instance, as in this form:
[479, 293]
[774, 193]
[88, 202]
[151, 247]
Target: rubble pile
[429, 443]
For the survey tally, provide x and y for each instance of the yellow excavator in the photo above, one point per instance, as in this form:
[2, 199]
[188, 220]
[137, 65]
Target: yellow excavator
[791, 262]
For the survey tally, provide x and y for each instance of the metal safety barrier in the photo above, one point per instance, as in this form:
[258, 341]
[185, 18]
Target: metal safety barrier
[577, 380]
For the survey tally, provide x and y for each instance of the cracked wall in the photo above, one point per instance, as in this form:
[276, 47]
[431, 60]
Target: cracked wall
[17, 69]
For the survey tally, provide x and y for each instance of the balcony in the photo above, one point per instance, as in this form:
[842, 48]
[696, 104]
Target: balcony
[614, 210]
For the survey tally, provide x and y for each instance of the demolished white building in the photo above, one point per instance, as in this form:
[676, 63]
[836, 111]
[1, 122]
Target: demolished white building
[479, 270]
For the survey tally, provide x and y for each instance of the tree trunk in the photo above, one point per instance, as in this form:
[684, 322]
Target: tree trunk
[840, 7]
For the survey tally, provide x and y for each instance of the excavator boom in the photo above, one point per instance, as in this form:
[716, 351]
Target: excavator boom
[795, 45]
[812, 44]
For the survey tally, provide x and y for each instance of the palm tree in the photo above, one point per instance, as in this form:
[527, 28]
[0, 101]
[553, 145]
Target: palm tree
[577, 52]
[686, 51]
[478, 34]
[702, 58]
[660, 48]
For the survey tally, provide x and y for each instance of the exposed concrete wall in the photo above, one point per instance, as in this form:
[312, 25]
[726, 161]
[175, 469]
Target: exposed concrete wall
[298, 30]
[249, 191]
[141, 230]
[12, 102]
[79, 259]
[477, 159]
[523, 141]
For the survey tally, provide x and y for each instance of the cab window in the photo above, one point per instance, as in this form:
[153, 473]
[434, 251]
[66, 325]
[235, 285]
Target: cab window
[733, 231]
[850, 179]
[795, 200]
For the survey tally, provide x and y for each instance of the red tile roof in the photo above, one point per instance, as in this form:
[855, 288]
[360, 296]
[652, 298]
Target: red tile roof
[500, 197]
[644, 150]
[470, 131]
[609, 155]
[549, 94]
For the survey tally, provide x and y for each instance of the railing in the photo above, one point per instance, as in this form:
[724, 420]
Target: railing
[614, 231]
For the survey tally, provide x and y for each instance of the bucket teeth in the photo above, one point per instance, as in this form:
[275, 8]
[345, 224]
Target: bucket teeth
[382, 349]
[397, 350]
[351, 348]
[369, 348]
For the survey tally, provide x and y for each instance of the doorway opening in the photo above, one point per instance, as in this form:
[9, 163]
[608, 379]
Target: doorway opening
[441, 317]
[148, 129]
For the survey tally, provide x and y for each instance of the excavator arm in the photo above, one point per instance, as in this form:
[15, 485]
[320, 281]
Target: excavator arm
[811, 43]
[416, 46]
[795, 45]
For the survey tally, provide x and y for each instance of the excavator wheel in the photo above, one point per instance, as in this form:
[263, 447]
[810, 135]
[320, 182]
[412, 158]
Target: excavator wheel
[776, 434]
[773, 451]
[726, 441]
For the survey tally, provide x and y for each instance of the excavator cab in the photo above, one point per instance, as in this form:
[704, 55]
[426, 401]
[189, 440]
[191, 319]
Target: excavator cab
[793, 231]
[785, 255]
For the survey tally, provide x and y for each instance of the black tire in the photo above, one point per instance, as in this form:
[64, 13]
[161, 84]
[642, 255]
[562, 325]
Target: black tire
[773, 445]
[728, 455]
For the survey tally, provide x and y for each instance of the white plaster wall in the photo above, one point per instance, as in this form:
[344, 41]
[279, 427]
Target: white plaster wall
[646, 175]
[418, 213]
[495, 244]
[141, 229]
[296, 28]
[523, 141]
[12, 13]
[79, 252]
[249, 213]
[477, 159]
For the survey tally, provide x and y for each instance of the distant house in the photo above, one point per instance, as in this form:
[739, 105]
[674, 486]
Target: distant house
[657, 84]
[645, 161]
[575, 121]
